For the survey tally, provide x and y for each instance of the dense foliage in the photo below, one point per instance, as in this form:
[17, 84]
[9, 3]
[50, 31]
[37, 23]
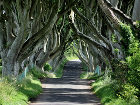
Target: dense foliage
[47, 67]
[128, 71]
[106, 89]
[125, 77]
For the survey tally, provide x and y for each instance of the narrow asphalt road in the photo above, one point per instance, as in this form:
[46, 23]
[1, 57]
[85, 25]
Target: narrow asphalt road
[68, 90]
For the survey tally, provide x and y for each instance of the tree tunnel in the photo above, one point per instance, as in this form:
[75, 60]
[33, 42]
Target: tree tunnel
[40, 31]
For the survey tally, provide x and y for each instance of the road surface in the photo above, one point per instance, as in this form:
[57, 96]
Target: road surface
[68, 90]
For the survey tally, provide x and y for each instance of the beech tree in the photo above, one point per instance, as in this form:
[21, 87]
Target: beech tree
[40, 31]
[24, 25]
[92, 28]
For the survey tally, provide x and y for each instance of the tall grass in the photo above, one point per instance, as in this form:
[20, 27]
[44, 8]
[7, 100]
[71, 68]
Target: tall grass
[86, 75]
[109, 90]
[38, 73]
[15, 92]
[105, 89]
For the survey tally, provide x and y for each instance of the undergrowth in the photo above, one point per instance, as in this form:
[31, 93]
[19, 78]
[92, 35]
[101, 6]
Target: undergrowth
[38, 73]
[121, 87]
[59, 72]
[106, 89]
[13, 92]
[88, 75]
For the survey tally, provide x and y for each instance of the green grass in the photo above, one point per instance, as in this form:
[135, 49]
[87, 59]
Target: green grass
[15, 92]
[38, 73]
[105, 90]
[89, 75]
[59, 72]
[86, 75]
[31, 86]
[18, 93]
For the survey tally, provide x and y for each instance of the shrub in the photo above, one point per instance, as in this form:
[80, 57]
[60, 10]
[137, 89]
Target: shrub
[106, 88]
[129, 71]
[127, 37]
[47, 67]
[120, 71]
[133, 62]
[134, 72]
[38, 73]
[103, 88]
[129, 94]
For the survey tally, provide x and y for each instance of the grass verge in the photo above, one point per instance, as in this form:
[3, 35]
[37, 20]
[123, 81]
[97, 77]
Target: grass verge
[19, 92]
[59, 72]
[13, 92]
[86, 75]
[109, 91]
[106, 88]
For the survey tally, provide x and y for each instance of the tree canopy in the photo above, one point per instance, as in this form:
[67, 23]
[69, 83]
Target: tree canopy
[39, 31]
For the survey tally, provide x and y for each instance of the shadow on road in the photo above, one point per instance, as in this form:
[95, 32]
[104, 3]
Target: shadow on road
[68, 90]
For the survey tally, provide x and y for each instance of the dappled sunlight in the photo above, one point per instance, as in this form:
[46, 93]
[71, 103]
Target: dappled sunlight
[78, 60]
[68, 90]
[67, 45]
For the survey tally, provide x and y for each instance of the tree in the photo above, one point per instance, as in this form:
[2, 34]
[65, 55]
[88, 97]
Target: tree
[39, 31]
[24, 25]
